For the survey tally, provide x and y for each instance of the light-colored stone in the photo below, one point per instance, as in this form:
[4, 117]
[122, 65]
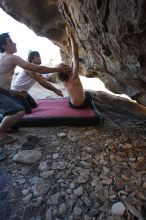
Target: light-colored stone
[43, 166]
[118, 208]
[78, 191]
[144, 185]
[140, 159]
[107, 182]
[27, 199]
[28, 156]
[25, 191]
[46, 174]
[55, 156]
[61, 134]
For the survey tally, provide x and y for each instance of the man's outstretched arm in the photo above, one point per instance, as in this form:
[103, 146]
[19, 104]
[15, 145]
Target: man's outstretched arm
[43, 82]
[75, 60]
[18, 61]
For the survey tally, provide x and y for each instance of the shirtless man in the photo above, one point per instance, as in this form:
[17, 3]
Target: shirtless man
[26, 78]
[12, 112]
[71, 80]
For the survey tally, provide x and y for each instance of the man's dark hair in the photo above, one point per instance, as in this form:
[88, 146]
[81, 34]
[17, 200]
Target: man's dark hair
[3, 38]
[63, 76]
[32, 54]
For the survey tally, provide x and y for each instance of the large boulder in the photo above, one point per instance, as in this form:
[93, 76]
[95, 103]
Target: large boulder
[111, 35]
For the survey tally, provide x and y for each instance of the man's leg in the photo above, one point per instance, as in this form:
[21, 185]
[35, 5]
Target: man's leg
[6, 123]
[10, 120]
[21, 100]
[12, 113]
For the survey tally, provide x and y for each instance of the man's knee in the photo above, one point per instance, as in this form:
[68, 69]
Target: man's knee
[19, 115]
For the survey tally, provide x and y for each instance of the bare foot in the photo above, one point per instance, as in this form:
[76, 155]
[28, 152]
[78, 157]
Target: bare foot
[6, 139]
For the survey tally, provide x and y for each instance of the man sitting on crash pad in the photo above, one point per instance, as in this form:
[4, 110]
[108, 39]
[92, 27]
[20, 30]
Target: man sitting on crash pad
[71, 80]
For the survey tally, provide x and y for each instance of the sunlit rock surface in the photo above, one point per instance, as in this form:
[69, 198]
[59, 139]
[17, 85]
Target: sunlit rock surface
[111, 35]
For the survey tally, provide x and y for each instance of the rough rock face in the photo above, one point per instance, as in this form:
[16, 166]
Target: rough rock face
[111, 35]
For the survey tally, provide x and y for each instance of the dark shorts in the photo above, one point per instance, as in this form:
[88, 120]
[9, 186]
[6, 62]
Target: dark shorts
[87, 102]
[8, 106]
[27, 102]
[11, 104]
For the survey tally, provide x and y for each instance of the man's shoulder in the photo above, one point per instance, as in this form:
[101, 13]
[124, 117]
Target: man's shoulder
[6, 56]
[7, 59]
[12, 58]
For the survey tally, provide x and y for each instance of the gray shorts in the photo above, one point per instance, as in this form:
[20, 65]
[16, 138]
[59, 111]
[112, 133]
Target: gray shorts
[8, 106]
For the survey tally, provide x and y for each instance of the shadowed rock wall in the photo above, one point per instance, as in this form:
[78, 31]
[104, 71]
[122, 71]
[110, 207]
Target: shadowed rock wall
[111, 35]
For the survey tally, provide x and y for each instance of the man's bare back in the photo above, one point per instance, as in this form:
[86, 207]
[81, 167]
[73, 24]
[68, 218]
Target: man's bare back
[75, 91]
[72, 81]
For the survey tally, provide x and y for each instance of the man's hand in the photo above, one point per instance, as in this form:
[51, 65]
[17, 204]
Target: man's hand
[22, 93]
[64, 68]
[59, 92]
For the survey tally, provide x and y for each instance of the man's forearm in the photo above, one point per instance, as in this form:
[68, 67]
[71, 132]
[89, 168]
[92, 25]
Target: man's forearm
[45, 70]
[48, 86]
[52, 88]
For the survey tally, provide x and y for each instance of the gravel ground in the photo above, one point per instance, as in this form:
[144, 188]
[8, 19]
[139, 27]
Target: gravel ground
[83, 173]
